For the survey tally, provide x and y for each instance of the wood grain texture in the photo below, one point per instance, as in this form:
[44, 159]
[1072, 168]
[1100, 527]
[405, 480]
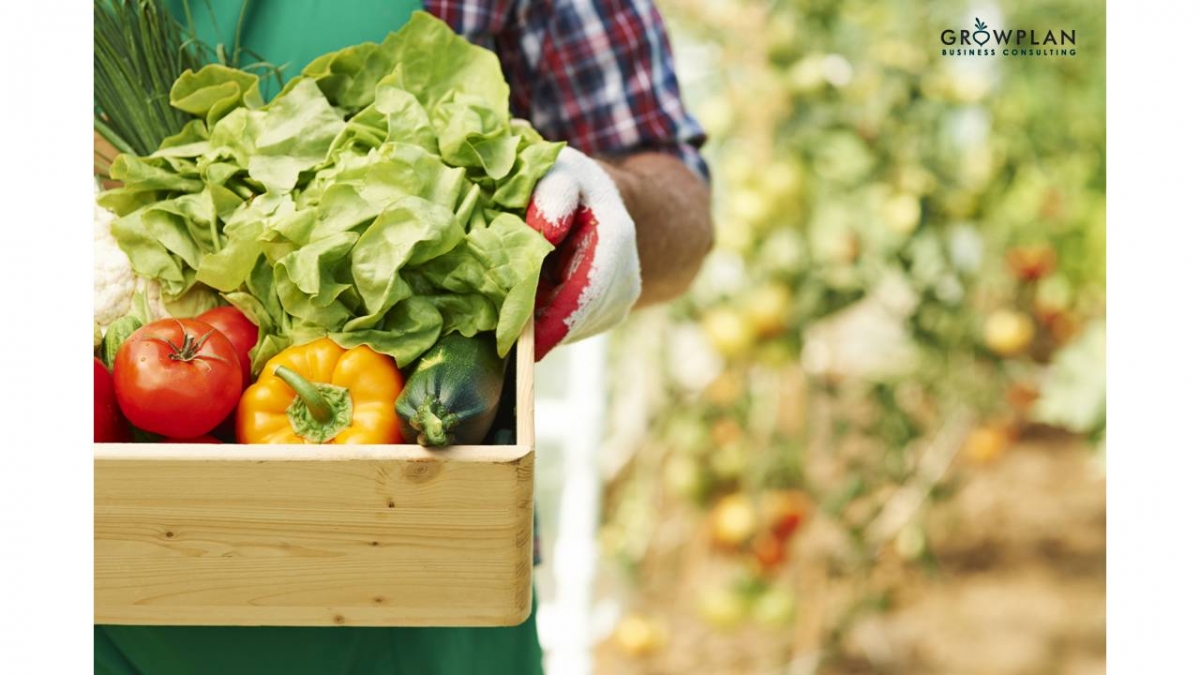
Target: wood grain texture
[317, 535]
[525, 387]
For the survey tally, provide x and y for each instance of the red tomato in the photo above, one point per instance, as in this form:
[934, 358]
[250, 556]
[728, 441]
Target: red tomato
[177, 377]
[786, 525]
[786, 512]
[198, 439]
[241, 332]
[107, 424]
[1030, 263]
[768, 551]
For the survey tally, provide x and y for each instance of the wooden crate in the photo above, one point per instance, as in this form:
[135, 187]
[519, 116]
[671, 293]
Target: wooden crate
[318, 535]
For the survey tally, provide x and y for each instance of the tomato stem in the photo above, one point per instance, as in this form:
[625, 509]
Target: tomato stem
[190, 349]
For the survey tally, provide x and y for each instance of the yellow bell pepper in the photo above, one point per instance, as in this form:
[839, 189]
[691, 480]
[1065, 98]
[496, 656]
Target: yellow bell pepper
[321, 393]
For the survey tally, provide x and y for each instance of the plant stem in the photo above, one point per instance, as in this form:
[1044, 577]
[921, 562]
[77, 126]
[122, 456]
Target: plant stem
[316, 402]
[431, 425]
[111, 136]
[237, 36]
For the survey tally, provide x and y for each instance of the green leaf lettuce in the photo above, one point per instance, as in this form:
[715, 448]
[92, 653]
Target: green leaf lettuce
[378, 199]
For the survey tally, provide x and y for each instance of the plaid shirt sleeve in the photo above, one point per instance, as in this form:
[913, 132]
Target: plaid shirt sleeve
[598, 74]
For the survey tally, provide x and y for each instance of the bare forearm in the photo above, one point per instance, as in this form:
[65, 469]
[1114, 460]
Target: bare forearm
[670, 209]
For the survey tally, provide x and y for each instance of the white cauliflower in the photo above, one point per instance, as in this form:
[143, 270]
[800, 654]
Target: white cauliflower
[115, 283]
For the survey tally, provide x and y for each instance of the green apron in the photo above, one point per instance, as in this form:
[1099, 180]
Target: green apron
[295, 32]
[267, 650]
[290, 33]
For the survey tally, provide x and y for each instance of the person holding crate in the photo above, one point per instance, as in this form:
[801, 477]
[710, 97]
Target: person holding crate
[626, 206]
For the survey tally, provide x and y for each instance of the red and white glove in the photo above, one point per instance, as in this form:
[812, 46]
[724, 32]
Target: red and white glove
[592, 279]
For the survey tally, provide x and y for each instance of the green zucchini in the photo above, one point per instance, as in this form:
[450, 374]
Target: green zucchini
[453, 392]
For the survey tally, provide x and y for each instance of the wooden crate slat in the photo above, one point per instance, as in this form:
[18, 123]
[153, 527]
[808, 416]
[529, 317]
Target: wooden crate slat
[317, 535]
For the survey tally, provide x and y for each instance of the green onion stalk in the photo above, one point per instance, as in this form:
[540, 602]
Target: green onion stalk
[139, 51]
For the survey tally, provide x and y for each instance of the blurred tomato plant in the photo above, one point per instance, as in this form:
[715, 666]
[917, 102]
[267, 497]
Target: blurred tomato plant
[904, 238]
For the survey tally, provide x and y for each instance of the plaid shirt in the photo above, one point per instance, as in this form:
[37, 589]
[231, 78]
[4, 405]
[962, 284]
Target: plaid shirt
[596, 73]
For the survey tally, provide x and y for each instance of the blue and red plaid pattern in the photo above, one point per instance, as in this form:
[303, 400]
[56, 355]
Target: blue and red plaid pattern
[597, 74]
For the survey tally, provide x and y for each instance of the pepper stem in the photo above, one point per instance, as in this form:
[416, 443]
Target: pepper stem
[316, 402]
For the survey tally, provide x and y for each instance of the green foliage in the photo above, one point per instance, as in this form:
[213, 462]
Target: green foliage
[138, 52]
[378, 199]
[936, 224]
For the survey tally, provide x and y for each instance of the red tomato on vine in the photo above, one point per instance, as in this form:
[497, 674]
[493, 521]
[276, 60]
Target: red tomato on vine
[177, 377]
[241, 332]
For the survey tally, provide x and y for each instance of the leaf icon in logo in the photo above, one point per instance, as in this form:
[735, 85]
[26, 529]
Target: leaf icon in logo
[980, 36]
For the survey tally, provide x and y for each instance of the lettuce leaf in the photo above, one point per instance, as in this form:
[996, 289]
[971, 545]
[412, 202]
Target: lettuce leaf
[501, 261]
[213, 91]
[432, 62]
[294, 136]
[378, 199]
[411, 231]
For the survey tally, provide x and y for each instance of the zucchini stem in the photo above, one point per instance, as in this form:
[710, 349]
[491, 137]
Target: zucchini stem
[433, 423]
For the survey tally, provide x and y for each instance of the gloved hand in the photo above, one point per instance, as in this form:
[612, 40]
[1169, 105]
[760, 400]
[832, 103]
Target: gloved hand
[592, 279]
